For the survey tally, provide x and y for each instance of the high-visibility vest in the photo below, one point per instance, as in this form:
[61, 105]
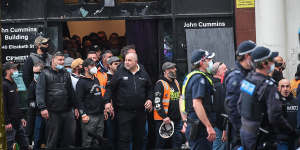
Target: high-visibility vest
[294, 86]
[102, 77]
[185, 82]
[166, 98]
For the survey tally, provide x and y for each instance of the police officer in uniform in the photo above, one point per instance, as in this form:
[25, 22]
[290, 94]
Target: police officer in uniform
[259, 103]
[290, 109]
[232, 83]
[198, 90]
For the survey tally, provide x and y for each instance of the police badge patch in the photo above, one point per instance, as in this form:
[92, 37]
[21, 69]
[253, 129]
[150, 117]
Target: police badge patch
[247, 87]
[202, 81]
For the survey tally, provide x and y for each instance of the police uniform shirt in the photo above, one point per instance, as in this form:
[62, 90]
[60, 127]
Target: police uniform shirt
[198, 87]
[269, 102]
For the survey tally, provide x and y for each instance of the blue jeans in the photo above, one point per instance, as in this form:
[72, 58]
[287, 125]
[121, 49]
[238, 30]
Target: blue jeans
[201, 143]
[39, 132]
[282, 146]
[218, 144]
[176, 137]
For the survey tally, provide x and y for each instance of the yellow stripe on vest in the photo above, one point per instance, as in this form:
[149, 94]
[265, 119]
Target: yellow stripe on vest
[185, 82]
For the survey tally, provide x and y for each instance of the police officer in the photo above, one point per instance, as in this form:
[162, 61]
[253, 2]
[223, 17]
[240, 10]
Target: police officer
[197, 92]
[290, 108]
[259, 102]
[232, 83]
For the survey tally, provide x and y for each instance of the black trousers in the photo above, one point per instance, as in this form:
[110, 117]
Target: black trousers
[131, 126]
[18, 135]
[30, 124]
[60, 129]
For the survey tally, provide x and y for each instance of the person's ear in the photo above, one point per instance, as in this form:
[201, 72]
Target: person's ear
[201, 62]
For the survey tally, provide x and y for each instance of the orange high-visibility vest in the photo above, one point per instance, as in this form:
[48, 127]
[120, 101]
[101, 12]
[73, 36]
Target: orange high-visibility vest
[166, 98]
[294, 86]
[102, 77]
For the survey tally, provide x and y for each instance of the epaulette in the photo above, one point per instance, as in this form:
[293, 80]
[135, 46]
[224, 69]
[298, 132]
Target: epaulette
[269, 82]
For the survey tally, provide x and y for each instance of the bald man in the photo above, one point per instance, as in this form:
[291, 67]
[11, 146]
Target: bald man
[290, 108]
[279, 67]
[132, 90]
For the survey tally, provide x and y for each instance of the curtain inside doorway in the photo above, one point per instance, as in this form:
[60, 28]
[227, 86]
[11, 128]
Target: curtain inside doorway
[144, 35]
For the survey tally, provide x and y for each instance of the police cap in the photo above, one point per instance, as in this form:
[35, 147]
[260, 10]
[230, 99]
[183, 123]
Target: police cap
[246, 47]
[262, 53]
[199, 55]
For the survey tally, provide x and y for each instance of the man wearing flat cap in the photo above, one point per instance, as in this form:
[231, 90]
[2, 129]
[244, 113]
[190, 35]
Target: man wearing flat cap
[166, 105]
[233, 80]
[197, 92]
[259, 102]
[41, 56]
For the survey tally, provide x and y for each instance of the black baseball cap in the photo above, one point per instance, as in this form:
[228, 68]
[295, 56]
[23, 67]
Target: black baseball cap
[9, 65]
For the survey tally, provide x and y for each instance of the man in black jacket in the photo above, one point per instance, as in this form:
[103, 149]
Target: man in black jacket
[56, 98]
[133, 93]
[111, 128]
[218, 72]
[13, 116]
[41, 56]
[277, 74]
[290, 108]
[91, 104]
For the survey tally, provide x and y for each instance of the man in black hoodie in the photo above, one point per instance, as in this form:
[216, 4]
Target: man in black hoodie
[91, 104]
[166, 106]
[133, 94]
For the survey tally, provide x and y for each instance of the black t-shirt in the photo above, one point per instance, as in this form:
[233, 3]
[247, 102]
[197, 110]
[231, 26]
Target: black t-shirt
[218, 106]
[89, 95]
[11, 101]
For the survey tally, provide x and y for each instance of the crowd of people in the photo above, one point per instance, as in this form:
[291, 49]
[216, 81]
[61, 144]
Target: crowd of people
[76, 48]
[99, 95]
